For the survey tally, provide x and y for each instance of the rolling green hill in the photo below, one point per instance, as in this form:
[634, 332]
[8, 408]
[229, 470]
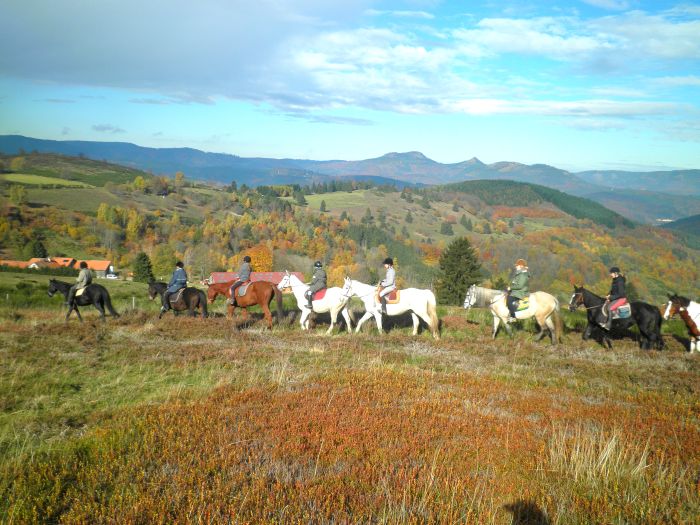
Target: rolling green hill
[510, 193]
[71, 169]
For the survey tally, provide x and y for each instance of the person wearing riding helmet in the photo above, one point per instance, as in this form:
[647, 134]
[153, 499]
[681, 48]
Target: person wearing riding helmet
[83, 281]
[616, 296]
[388, 284]
[177, 282]
[518, 289]
[318, 282]
[243, 276]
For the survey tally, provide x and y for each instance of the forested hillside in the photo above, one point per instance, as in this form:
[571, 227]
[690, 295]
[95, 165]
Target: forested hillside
[565, 239]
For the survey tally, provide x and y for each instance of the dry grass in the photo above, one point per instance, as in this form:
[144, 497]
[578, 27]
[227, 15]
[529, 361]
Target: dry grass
[186, 420]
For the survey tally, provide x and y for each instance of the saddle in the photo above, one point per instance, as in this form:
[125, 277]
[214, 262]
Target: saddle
[242, 289]
[391, 298]
[176, 299]
[319, 295]
[620, 309]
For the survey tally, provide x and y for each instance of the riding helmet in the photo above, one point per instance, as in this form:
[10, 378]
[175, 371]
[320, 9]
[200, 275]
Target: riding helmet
[389, 261]
[521, 262]
[246, 258]
[614, 269]
[318, 264]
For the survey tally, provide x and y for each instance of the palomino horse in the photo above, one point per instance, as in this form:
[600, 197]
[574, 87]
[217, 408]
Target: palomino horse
[647, 318]
[421, 304]
[334, 301]
[543, 306]
[690, 313]
[257, 292]
[94, 294]
[191, 298]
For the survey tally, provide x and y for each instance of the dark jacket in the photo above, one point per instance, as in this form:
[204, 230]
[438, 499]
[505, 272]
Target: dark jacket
[318, 281]
[177, 281]
[617, 289]
[244, 272]
[519, 286]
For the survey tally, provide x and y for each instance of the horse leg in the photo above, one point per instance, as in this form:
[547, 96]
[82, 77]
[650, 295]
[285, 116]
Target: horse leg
[416, 323]
[346, 316]
[334, 318]
[378, 318]
[362, 320]
[268, 315]
[100, 309]
[551, 328]
[304, 316]
[496, 325]
[587, 332]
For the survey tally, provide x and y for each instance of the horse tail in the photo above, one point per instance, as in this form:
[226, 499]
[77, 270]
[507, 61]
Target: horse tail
[203, 303]
[280, 306]
[108, 304]
[432, 313]
[558, 325]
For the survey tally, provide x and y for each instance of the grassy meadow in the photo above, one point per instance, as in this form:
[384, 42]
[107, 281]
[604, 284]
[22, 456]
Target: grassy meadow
[41, 180]
[189, 420]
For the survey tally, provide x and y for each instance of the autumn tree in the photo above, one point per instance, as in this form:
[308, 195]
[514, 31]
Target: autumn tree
[459, 269]
[179, 180]
[143, 271]
[18, 194]
[164, 259]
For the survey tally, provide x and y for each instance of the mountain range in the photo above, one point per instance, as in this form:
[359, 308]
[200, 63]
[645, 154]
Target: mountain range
[640, 196]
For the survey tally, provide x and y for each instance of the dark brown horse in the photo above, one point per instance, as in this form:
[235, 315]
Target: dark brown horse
[192, 298]
[258, 292]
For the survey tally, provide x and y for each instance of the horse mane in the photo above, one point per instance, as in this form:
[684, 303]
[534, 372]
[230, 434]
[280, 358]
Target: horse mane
[684, 301]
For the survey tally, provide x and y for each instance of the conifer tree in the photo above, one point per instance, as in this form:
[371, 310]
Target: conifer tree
[459, 269]
[143, 271]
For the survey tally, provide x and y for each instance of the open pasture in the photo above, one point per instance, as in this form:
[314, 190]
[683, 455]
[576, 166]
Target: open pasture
[190, 420]
[41, 180]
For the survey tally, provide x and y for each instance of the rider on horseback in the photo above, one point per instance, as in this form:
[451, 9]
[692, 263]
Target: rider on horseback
[177, 282]
[518, 288]
[243, 276]
[616, 297]
[84, 279]
[388, 284]
[318, 282]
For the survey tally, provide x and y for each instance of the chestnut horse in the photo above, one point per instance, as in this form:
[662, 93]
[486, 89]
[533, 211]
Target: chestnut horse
[258, 292]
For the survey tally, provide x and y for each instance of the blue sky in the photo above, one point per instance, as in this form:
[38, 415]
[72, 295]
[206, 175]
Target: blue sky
[588, 84]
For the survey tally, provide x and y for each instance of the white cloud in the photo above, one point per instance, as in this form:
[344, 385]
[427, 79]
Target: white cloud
[108, 128]
[682, 81]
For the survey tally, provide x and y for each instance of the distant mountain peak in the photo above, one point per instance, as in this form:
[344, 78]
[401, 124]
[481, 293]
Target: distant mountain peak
[415, 155]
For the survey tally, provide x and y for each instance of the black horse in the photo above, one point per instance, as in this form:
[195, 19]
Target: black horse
[646, 316]
[191, 297]
[94, 294]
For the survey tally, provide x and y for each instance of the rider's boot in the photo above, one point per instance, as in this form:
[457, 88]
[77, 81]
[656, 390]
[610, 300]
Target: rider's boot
[383, 299]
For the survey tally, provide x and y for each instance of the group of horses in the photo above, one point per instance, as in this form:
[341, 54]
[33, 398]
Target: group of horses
[421, 304]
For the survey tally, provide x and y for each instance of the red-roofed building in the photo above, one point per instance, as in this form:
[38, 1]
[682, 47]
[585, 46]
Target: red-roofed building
[101, 268]
[14, 264]
[271, 277]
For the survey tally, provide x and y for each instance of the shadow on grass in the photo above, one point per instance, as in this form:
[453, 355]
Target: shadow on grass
[526, 513]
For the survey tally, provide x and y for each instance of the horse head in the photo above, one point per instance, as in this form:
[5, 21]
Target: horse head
[470, 299]
[576, 298]
[676, 303]
[212, 292]
[347, 287]
[52, 287]
[286, 281]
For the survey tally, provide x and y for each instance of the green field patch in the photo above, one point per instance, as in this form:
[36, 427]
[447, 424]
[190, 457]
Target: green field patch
[78, 199]
[40, 180]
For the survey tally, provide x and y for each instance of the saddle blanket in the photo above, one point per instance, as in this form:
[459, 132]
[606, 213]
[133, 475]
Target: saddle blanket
[391, 298]
[523, 304]
[176, 298]
[319, 295]
[622, 312]
[242, 289]
[79, 291]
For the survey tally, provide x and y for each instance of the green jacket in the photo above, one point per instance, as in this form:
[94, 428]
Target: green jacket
[519, 285]
[84, 279]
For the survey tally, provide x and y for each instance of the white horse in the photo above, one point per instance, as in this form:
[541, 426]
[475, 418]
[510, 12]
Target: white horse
[421, 304]
[543, 306]
[335, 300]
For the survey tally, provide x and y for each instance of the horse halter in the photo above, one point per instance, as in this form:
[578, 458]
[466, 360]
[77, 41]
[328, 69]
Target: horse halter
[579, 301]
